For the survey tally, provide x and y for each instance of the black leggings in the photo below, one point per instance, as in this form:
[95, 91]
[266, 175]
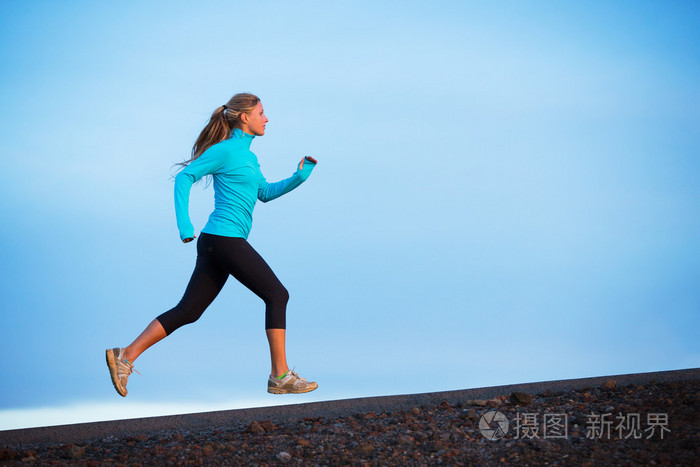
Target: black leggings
[217, 257]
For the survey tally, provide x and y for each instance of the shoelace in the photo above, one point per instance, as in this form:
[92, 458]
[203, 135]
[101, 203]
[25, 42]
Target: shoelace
[294, 373]
[131, 367]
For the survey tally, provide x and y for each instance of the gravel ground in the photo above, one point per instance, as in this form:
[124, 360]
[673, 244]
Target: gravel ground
[652, 424]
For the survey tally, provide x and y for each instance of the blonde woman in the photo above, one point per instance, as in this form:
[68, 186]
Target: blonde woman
[222, 150]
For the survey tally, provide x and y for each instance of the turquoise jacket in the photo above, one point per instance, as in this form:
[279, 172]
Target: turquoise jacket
[238, 184]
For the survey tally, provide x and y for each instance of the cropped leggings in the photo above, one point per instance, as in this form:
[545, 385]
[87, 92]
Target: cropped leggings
[217, 257]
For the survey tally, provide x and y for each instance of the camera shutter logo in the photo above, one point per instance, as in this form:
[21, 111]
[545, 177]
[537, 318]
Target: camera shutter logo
[493, 425]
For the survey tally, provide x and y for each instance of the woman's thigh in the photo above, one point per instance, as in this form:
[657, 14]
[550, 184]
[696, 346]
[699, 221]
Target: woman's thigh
[238, 258]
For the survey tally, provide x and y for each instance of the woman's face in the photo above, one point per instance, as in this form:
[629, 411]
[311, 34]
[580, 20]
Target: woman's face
[254, 122]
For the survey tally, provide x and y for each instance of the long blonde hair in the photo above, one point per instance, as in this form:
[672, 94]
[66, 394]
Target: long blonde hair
[222, 121]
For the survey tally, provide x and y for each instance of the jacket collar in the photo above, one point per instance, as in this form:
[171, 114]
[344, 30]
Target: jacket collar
[244, 137]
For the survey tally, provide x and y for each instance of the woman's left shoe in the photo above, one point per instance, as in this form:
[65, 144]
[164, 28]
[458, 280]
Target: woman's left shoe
[292, 383]
[119, 369]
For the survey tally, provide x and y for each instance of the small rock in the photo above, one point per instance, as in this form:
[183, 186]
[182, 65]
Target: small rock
[415, 411]
[284, 456]
[303, 442]
[493, 403]
[444, 405]
[520, 398]
[480, 402]
[420, 436]
[268, 425]
[365, 448]
[433, 446]
[609, 384]
[256, 428]
[76, 451]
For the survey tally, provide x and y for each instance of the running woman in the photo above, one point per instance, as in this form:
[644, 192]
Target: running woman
[222, 150]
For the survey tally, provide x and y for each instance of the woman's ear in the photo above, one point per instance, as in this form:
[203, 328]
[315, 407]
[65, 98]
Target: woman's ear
[244, 117]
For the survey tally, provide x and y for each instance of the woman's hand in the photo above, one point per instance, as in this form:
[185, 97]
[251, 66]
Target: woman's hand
[188, 240]
[307, 158]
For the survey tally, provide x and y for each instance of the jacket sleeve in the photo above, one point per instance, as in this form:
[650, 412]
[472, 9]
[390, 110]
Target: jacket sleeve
[208, 163]
[269, 191]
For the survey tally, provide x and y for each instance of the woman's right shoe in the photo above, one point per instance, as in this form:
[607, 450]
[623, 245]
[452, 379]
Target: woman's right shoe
[292, 383]
[119, 369]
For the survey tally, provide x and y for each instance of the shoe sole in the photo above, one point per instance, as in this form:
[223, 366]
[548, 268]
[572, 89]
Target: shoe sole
[272, 390]
[112, 365]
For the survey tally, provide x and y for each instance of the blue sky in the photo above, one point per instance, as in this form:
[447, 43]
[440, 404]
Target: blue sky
[506, 192]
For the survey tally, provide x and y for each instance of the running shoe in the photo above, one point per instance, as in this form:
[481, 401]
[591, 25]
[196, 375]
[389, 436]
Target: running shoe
[292, 383]
[119, 369]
